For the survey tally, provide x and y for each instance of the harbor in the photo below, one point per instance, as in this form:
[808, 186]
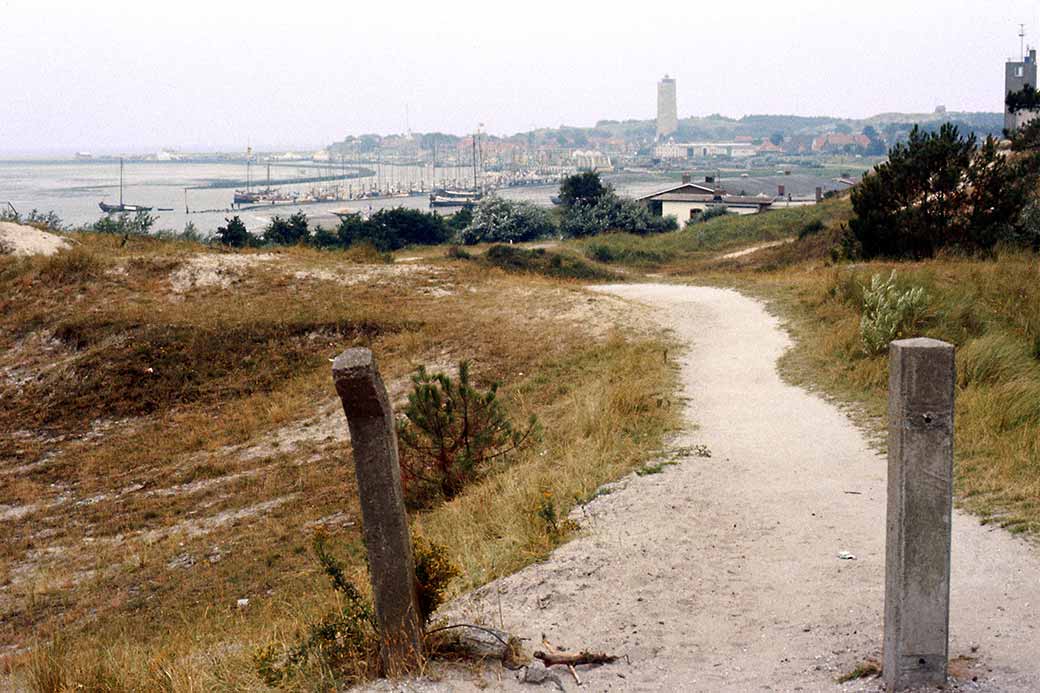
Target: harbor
[202, 193]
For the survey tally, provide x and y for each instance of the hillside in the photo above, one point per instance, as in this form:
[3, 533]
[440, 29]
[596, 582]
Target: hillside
[171, 441]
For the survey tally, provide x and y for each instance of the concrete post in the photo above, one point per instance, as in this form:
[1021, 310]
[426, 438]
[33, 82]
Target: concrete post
[920, 498]
[390, 562]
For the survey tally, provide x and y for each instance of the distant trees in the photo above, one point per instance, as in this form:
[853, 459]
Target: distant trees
[777, 138]
[876, 147]
[939, 189]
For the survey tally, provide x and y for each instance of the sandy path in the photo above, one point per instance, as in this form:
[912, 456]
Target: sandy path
[721, 573]
[754, 249]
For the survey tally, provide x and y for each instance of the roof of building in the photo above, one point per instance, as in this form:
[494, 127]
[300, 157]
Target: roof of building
[732, 200]
[692, 188]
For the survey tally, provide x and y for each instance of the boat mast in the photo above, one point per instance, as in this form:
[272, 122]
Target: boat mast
[475, 159]
[120, 181]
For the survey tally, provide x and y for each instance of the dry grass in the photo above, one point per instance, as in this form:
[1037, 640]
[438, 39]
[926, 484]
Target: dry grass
[140, 506]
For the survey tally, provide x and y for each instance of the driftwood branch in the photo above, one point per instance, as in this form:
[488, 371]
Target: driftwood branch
[573, 659]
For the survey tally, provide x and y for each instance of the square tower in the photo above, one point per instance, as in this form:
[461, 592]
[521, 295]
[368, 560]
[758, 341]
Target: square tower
[1017, 74]
[667, 113]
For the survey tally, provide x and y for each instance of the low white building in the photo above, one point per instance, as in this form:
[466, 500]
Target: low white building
[687, 201]
[685, 151]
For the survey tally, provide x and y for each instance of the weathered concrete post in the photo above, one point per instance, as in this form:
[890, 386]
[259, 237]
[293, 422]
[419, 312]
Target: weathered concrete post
[920, 498]
[390, 561]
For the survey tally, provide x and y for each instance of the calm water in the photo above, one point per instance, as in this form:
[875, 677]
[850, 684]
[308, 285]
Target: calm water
[72, 189]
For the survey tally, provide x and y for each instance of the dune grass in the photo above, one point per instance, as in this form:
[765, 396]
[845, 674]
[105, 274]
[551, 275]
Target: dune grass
[141, 505]
[687, 250]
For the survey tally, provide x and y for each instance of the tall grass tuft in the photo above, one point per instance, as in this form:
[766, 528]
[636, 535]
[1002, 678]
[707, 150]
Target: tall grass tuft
[993, 358]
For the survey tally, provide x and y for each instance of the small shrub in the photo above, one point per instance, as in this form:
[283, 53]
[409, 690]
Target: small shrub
[811, 228]
[451, 432]
[434, 571]
[456, 252]
[711, 213]
[539, 261]
[366, 253]
[126, 225]
[343, 642]
[71, 267]
[888, 312]
[48, 221]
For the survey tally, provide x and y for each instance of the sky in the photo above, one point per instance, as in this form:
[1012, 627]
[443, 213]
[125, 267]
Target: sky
[134, 77]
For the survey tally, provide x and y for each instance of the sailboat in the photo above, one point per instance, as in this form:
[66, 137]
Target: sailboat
[121, 207]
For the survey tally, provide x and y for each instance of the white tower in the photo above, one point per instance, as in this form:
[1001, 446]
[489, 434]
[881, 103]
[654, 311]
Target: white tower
[667, 113]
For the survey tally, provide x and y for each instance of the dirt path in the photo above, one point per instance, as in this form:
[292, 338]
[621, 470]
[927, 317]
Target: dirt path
[722, 573]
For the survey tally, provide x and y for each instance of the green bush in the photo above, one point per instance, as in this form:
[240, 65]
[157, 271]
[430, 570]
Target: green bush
[124, 224]
[289, 231]
[450, 433]
[608, 253]
[582, 189]
[612, 213]
[540, 261]
[942, 190]
[393, 229]
[888, 312]
[710, 213]
[235, 234]
[497, 220]
[810, 228]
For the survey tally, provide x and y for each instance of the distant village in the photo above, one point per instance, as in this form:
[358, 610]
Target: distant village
[668, 143]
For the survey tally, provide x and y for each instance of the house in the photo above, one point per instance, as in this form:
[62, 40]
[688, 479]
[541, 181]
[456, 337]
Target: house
[689, 200]
[836, 141]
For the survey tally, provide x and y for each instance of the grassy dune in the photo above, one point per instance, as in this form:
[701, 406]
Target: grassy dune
[170, 442]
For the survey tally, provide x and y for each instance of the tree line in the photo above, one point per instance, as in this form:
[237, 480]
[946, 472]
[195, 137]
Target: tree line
[587, 207]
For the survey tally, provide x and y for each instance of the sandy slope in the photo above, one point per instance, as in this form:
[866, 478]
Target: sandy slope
[18, 239]
[722, 573]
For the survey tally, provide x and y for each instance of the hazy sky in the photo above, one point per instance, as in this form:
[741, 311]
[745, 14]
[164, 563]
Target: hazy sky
[135, 76]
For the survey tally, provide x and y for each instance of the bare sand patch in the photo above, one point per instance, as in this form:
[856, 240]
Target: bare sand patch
[18, 239]
[211, 269]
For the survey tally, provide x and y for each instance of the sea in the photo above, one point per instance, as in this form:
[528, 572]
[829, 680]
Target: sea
[201, 193]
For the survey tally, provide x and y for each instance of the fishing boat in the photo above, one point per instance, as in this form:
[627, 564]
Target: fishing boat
[454, 198]
[122, 208]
